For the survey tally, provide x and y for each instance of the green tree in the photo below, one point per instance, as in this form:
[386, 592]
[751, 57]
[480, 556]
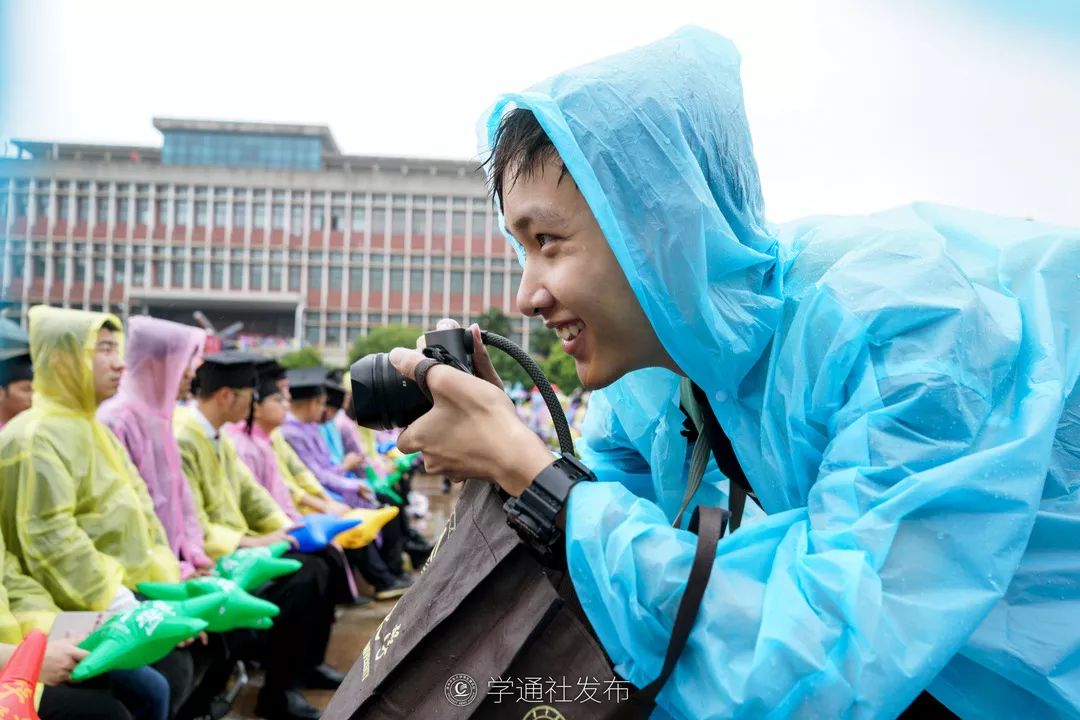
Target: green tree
[305, 357]
[384, 339]
[560, 369]
[541, 340]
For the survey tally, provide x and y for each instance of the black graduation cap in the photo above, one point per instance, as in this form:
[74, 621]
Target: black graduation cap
[305, 383]
[335, 391]
[269, 368]
[229, 368]
[16, 368]
[269, 373]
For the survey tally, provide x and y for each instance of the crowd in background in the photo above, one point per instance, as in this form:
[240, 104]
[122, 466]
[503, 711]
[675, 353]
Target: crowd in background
[130, 456]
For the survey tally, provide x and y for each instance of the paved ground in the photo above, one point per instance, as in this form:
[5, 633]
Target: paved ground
[356, 625]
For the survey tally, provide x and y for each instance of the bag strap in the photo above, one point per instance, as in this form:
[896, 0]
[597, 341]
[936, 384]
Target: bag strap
[696, 407]
[699, 460]
[709, 523]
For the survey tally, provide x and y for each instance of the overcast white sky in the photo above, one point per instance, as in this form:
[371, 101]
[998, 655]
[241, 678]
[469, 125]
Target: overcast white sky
[855, 105]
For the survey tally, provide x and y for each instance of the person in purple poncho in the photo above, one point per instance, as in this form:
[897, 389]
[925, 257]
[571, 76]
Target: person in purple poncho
[399, 532]
[160, 357]
[302, 431]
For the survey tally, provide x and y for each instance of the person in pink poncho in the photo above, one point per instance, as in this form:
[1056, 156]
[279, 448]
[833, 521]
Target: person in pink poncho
[253, 445]
[160, 358]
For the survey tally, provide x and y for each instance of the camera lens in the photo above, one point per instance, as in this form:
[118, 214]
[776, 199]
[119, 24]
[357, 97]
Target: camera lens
[383, 398]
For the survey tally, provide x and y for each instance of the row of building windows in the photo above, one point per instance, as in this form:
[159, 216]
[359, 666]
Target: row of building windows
[201, 250]
[182, 147]
[338, 328]
[225, 214]
[261, 276]
[318, 197]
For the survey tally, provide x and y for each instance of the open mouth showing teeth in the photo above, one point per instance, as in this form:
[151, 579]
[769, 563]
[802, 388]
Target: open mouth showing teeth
[569, 331]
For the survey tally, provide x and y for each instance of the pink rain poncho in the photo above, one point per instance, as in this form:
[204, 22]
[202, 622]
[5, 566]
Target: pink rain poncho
[257, 453]
[141, 416]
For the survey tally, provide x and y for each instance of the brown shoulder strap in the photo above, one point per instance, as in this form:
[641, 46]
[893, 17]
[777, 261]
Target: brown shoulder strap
[709, 523]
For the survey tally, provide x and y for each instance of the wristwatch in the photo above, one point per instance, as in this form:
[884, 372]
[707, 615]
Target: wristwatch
[533, 513]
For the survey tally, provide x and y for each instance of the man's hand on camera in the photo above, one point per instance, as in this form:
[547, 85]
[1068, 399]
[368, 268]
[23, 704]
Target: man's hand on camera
[472, 431]
[481, 361]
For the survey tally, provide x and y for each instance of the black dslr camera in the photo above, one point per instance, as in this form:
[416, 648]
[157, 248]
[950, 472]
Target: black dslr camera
[383, 398]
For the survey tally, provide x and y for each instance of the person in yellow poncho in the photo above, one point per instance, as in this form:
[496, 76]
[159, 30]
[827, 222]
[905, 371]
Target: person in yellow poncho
[73, 508]
[122, 695]
[236, 511]
[74, 511]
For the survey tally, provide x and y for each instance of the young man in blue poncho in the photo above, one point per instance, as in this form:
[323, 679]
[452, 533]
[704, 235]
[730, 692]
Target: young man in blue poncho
[900, 390]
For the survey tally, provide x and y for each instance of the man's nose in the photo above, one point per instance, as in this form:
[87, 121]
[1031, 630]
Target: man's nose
[533, 297]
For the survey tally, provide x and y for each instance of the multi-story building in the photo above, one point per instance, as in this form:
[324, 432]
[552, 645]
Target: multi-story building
[270, 225]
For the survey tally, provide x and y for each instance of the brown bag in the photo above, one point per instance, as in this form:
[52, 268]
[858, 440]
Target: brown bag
[488, 632]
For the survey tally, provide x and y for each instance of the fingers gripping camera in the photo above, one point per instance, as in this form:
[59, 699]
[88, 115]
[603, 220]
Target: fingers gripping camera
[383, 398]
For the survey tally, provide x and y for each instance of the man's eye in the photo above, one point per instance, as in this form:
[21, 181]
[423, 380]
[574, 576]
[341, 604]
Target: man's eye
[543, 239]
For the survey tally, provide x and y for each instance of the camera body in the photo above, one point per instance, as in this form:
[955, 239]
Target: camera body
[383, 398]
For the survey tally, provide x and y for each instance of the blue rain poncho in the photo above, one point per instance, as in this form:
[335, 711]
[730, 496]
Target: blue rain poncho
[900, 390]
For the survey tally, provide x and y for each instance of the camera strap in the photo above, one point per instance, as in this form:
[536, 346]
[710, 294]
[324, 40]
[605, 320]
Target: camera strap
[704, 426]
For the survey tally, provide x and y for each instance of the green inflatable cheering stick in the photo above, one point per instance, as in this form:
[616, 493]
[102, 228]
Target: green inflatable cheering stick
[141, 636]
[251, 567]
[381, 484]
[235, 607]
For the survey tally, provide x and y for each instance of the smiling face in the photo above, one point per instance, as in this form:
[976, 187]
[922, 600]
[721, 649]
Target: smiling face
[572, 279]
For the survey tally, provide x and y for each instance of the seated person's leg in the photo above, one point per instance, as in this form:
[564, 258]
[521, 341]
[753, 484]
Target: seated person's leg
[213, 664]
[393, 539]
[374, 570]
[178, 668]
[143, 691]
[297, 641]
[62, 702]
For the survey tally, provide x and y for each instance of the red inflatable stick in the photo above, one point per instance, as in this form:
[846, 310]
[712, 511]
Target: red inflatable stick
[18, 679]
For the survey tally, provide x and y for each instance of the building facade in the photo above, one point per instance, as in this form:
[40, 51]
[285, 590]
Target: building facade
[269, 225]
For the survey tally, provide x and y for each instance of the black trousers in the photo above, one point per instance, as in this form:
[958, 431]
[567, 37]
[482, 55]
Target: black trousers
[212, 666]
[297, 641]
[62, 702]
[370, 564]
[178, 668]
[394, 534]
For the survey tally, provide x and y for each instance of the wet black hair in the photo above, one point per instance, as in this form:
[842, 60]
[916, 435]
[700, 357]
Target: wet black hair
[521, 147]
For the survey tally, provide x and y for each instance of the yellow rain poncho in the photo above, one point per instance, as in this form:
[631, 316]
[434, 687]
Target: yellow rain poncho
[73, 508]
[24, 605]
[229, 501]
[299, 479]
